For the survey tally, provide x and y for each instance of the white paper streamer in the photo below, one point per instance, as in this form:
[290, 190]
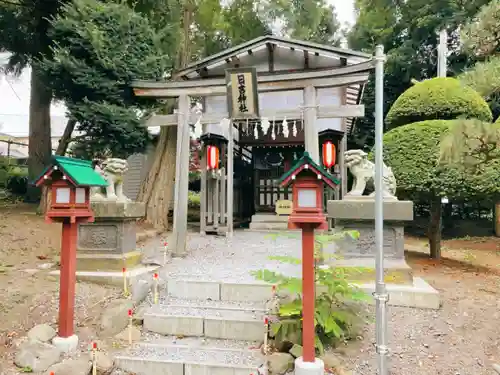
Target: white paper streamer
[265, 125]
[285, 128]
[294, 128]
[273, 130]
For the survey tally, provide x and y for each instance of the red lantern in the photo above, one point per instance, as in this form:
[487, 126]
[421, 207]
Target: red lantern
[212, 157]
[328, 154]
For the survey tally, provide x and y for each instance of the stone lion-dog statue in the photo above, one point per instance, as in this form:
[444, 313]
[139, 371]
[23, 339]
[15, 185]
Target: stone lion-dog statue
[363, 172]
[112, 170]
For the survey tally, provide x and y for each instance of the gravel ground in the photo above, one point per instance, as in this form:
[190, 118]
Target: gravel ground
[217, 258]
[462, 338]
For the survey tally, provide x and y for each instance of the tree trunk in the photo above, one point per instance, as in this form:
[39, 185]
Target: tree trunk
[157, 189]
[66, 137]
[434, 232]
[39, 147]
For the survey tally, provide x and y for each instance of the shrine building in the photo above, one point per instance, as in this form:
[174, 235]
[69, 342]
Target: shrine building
[263, 103]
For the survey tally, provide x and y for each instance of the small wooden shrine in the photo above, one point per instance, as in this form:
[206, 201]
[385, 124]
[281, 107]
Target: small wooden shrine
[262, 104]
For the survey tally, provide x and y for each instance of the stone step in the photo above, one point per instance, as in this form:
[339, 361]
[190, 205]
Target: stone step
[269, 218]
[418, 293]
[213, 319]
[189, 356]
[269, 226]
[219, 290]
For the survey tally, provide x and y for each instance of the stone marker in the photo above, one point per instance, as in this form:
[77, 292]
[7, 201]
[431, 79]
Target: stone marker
[37, 356]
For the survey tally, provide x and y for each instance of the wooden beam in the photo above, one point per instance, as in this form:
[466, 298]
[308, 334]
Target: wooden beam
[270, 51]
[214, 118]
[265, 85]
[324, 73]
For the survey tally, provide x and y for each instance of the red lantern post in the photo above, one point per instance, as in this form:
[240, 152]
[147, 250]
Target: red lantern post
[70, 181]
[307, 180]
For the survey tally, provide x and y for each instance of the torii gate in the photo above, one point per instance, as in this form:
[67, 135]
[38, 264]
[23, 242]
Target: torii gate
[309, 67]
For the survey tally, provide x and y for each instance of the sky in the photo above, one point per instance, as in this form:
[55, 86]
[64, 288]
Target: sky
[14, 92]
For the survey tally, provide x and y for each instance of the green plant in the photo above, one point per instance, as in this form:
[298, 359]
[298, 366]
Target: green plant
[438, 99]
[193, 199]
[336, 311]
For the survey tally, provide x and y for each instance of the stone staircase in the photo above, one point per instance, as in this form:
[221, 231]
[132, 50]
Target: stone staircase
[201, 328]
[268, 222]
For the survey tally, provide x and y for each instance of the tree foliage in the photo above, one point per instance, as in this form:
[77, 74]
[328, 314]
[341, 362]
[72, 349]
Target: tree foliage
[437, 98]
[413, 152]
[407, 29]
[480, 37]
[99, 49]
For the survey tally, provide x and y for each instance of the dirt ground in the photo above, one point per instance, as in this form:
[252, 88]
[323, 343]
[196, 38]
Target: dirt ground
[29, 250]
[466, 328]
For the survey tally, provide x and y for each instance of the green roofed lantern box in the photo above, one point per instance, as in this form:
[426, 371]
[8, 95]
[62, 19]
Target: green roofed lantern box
[307, 179]
[70, 181]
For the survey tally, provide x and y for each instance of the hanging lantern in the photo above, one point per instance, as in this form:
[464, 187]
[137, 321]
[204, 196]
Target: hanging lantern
[212, 157]
[328, 154]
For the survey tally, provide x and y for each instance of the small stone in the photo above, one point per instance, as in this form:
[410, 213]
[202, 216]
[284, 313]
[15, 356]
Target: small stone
[45, 266]
[37, 356]
[140, 290]
[80, 366]
[115, 318]
[296, 350]
[42, 333]
[332, 361]
[280, 363]
[496, 367]
[124, 335]
[103, 361]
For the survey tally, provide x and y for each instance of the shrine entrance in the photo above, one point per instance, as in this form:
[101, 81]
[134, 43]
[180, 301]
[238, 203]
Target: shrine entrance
[270, 163]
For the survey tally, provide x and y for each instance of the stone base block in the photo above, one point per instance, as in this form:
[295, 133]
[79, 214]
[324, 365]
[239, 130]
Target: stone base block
[118, 210]
[66, 344]
[364, 209]
[107, 262]
[113, 278]
[362, 270]
[309, 368]
[420, 294]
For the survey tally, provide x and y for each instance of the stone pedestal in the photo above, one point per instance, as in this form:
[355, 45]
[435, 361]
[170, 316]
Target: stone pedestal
[359, 214]
[359, 255]
[109, 244]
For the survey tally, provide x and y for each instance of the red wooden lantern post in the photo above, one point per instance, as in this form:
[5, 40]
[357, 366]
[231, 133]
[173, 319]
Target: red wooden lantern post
[307, 179]
[70, 181]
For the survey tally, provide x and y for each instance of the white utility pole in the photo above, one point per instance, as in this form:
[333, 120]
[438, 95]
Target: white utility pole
[442, 53]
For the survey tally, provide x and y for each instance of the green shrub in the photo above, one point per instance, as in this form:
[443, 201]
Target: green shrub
[336, 314]
[412, 151]
[193, 199]
[437, 99]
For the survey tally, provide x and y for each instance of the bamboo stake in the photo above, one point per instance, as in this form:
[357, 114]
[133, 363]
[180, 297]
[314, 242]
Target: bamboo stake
[94, 358]
[130, 318]
[125, 286]
[266, 351]
[165, 246]
[155, 291]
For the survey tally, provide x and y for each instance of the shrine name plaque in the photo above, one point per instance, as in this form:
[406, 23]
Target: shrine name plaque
[284, 207]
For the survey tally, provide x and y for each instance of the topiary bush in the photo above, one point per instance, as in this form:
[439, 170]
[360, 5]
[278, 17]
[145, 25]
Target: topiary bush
[412, 151]
[437, 99]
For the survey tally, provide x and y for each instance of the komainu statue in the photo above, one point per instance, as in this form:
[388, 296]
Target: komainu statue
[363, 172]
[112, 170]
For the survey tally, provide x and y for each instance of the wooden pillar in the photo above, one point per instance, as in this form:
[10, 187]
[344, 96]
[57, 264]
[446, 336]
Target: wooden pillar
[181, 179]
[203, 191]
[67, 279]
[311, 140]
[230, 176]
[308, 293]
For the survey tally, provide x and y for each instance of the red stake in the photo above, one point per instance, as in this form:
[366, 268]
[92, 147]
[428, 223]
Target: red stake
[68, 279]
[308, 293]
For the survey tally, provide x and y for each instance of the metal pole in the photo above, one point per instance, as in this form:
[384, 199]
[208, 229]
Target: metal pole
[380, 295]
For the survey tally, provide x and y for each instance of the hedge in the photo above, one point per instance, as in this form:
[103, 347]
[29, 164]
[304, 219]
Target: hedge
[437, 99]
[412, 152]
